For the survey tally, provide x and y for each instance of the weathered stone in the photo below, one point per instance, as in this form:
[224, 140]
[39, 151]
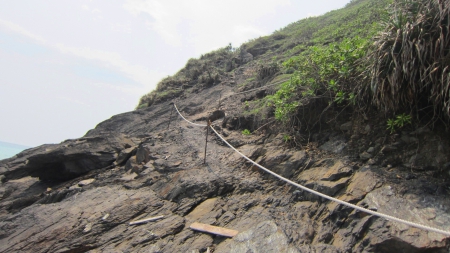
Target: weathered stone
[421, 130]
[286, 168]
[160, 163]
[86, 182]
[335, 145]
[226, 218]
[337, 171]
[365, 156]
[388, 148]
[264, 237]
[142, 155]
[346, 126]
[129, 176]
[68, 159]
[362, 182]
[131, 163]
[202, 211]
[149, 165]
[124, 155]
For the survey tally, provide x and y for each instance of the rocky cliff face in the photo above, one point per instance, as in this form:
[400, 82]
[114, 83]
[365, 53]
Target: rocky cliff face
[80, 195]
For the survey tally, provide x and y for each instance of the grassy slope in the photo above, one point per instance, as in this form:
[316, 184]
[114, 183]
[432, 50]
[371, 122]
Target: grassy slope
[358, 18]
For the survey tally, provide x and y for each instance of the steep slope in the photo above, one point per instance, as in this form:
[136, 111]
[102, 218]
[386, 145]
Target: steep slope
[159, 171]
[358, 18]
[81, 194]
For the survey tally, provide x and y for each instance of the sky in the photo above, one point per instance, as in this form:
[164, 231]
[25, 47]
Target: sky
[66, 66]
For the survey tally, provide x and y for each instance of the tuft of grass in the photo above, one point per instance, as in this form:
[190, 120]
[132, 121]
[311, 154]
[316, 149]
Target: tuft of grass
[410, 62]
[246, 132]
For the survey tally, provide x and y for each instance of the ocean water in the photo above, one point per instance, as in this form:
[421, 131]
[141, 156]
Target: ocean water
[8, 150]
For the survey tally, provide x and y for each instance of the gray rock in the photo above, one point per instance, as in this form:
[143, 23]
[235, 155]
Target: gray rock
[264, 237]
[68, 159]
[346, 126]
[365, 156]
[142, 155]
[421, 130]
[388, 148]
[336, 145]
[125, 154]
[131, 163]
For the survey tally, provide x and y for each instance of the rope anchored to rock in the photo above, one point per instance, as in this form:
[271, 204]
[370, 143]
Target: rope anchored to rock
[382, 215]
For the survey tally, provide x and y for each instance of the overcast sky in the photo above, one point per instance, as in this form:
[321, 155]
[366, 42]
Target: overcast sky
[65, 66]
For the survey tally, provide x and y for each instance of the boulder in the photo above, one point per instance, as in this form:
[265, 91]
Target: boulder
[68, 159]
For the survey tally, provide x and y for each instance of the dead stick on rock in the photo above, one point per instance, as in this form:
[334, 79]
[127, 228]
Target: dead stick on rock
[146, 220]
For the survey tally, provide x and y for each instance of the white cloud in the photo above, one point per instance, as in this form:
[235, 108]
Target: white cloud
[72, 100]
[146, 78]
[93, 11]
[131, 90]
[208, 24]
[137, 73]
[122, 28]
[18, 29]
[165, 22]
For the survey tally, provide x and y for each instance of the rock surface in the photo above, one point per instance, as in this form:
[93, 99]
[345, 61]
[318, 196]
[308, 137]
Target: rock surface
[80, 195]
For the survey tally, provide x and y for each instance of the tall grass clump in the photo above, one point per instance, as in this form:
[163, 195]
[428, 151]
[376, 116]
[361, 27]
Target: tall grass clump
[409, 66]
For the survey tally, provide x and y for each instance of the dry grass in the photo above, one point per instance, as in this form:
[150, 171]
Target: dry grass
[410, 63]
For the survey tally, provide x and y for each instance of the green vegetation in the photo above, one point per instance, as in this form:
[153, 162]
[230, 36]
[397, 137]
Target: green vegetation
[405, 70]
[321, 71]
[246, 132]
[358, 18]
[286, 138]
[391, 54]
[398, 122]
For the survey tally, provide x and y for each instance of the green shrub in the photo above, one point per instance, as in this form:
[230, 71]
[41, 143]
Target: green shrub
[327, 71]
[398, 122]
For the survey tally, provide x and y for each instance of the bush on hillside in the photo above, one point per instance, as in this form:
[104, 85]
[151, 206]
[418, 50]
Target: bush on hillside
[328, 72]
[410, 65]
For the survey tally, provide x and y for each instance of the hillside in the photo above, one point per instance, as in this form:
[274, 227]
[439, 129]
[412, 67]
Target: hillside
[358, 18]
[294, 102]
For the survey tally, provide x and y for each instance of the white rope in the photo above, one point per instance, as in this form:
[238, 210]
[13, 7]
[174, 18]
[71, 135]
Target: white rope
[388, 217]
[188, 120]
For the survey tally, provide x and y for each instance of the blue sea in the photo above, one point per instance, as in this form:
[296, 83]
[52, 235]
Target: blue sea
[8, 150]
